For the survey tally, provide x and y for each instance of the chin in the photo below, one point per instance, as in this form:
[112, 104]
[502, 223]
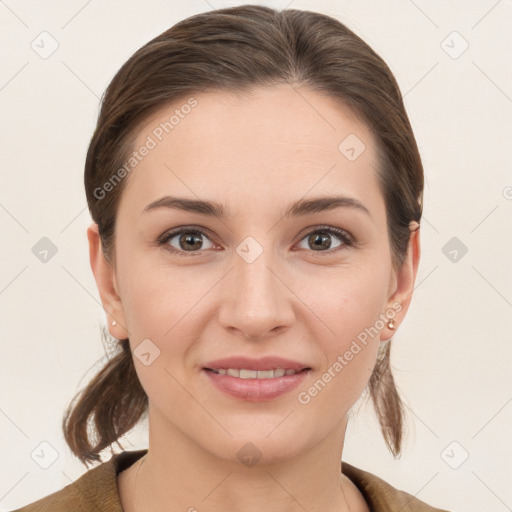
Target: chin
[253, 445]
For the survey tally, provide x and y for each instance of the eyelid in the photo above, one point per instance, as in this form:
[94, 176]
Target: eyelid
[186, 229]
[340, 232]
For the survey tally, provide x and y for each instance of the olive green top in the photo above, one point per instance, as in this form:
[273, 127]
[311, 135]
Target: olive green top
[97, 490]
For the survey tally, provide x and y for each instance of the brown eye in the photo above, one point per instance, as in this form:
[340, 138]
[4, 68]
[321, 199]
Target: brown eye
[187, 241]
[320, 240]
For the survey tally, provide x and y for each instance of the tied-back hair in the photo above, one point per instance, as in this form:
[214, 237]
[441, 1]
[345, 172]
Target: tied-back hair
[236, 49]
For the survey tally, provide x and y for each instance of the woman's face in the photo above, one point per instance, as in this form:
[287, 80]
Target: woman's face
[257, 283]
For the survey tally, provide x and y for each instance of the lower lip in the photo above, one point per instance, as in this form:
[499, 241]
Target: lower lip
[256, 390]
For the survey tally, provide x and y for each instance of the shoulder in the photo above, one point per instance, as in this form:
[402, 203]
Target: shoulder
[382, 496]
[95, 491]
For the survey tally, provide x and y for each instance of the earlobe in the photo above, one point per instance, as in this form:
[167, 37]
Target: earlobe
[104, 275]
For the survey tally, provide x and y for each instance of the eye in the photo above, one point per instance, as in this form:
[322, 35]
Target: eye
[188, 242]
[320, 239]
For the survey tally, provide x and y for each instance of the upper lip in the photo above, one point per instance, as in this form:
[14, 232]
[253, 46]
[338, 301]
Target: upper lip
[264, 363]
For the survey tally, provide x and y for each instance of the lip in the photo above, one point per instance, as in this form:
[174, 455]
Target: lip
[264, 363]
[255, 390]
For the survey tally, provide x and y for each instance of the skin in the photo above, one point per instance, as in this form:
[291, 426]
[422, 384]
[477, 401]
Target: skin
[256, 155]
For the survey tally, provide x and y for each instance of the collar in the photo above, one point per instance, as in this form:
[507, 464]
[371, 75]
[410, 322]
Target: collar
[99, 486]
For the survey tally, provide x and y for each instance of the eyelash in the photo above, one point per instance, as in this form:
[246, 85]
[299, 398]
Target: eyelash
[347, 239]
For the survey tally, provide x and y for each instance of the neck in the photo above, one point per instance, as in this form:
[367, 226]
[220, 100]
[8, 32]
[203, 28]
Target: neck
[178, 474]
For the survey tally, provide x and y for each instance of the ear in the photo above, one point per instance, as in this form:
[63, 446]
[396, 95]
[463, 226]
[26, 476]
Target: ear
[104, 274]
[403, 282]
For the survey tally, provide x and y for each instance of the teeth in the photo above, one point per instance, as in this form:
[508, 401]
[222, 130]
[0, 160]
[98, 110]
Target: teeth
[255, 374]
[248, 374]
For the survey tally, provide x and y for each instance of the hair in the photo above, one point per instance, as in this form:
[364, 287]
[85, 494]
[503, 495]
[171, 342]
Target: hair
[234, 50]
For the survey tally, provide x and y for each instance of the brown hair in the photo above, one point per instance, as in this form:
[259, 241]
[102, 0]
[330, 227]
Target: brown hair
[234, 49]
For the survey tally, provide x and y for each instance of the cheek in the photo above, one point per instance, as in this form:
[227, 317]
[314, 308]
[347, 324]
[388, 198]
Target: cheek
[346, 303]
[157, 301]
[348, 331]
[159, 306]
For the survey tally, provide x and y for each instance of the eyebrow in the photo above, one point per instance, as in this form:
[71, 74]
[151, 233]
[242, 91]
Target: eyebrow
[300, 208]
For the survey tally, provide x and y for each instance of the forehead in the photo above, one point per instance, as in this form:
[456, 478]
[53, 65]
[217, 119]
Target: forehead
[248, 149]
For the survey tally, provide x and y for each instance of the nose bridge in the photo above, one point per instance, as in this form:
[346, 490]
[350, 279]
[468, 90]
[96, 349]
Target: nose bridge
[253, 277]
[254, 299]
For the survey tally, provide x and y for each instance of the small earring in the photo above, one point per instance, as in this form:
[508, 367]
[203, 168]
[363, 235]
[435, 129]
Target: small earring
[114, 322]
[391, 324]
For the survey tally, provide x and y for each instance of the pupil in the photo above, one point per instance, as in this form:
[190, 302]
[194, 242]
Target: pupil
[189, 240]
[318, 238]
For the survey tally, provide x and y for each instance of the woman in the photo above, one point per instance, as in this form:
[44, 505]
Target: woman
[256, 191]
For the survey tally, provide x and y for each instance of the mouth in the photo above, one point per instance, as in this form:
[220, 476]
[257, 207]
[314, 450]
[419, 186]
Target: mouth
[256, 380]
[244, 373]
[268, 367]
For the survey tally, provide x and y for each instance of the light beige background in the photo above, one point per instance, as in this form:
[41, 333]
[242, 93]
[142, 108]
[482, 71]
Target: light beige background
[452, 356]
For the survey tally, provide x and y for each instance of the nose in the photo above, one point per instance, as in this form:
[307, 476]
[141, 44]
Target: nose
[256, 301]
